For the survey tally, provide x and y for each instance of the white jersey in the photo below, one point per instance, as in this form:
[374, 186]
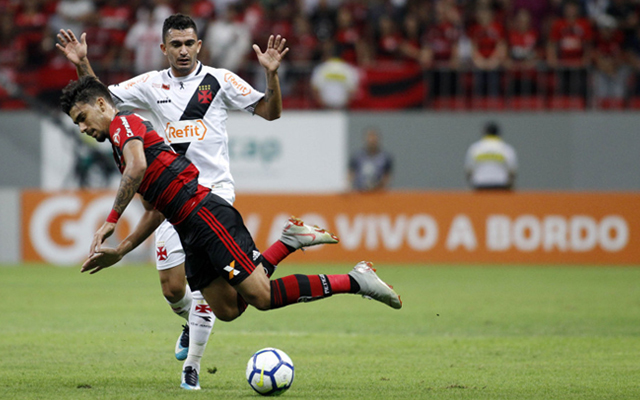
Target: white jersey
[490, 162]
[193, 112]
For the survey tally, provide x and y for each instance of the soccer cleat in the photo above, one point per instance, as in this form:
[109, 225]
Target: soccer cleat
[182, 345]
[190, 380]
[297, 234]
[372, 287]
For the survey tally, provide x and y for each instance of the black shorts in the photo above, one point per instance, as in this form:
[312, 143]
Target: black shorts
[216, 243]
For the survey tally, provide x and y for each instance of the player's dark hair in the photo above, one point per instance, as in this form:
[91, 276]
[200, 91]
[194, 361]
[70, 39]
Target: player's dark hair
[85, 90]
[178, 22]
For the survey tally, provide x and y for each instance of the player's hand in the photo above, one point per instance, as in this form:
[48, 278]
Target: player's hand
[105, 258]
[273, 55]
[100, 236]
[74, 50]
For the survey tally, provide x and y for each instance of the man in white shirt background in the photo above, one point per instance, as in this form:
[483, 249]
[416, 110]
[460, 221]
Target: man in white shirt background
[491, 163]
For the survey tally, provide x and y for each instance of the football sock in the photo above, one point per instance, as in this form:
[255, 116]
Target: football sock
[183, 306]
[301, 288]
[275, 254]
[201, 320]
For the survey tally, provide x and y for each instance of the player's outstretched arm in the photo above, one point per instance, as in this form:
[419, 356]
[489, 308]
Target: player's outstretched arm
[270, 106]
[107, 257]
[75, 51]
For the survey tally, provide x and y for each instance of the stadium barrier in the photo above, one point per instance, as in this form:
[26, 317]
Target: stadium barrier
[393, 227]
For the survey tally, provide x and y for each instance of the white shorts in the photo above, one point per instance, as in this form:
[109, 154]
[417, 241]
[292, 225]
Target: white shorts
[169, 252]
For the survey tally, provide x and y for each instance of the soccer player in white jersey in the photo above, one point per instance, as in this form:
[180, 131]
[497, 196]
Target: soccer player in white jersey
[190, 102]
[491, 163]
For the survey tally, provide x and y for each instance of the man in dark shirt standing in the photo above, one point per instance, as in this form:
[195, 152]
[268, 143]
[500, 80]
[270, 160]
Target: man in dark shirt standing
[370, 168]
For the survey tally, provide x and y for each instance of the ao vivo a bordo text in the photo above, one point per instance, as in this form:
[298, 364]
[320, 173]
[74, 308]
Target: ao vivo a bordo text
[422, 232]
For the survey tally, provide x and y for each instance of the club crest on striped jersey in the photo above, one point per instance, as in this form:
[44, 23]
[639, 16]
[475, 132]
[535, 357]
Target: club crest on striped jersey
[231, 269]
[186, 131]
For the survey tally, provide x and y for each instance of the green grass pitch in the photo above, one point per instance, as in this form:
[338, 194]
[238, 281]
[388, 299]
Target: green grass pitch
[465, 332]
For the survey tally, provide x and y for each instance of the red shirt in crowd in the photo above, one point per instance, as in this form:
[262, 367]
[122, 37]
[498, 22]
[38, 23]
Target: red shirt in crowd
[522, 45]
[571, 39]
[441, 39]
[486, 38]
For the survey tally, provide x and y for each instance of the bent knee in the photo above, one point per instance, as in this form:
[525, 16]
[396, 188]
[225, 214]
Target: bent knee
[173, 291]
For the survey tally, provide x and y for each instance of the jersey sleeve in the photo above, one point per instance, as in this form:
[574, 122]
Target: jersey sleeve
[126, 127]
[132, 94]
[237, 94]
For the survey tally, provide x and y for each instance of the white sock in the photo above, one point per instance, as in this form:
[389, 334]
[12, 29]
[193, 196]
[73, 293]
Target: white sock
[183, 307]
[201, 321]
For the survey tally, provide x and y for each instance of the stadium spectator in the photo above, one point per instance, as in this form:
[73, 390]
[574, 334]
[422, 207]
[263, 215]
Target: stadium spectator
[228, 40]
[13, 55]
[388, 40]
[305, 47]
[13, 46]
[370, 168]
[626, 14]
[334, 81]
[323, 20]
[102, 49]
[440, 50]
[143, 40]
[72, 14]
[489, 53]
[410, 48]
[610, 73]
[538, 10]
[633, 55]
[116, 17]
[350, 44]
[569, 50]
[32, 22]
[491, 163]
[524, 57]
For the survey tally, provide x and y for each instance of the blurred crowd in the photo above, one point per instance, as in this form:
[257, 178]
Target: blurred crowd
[587, 44]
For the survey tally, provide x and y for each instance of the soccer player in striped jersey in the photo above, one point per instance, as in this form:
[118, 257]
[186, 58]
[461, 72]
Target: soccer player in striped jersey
[222, 261]
[190, 102]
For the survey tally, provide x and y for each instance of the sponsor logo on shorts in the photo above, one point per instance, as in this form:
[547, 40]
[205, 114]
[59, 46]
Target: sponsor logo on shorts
[231, 269]
[256, 254]
[185, 131]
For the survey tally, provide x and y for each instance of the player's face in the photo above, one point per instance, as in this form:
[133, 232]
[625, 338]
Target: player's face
[91, 119]
[181, 48]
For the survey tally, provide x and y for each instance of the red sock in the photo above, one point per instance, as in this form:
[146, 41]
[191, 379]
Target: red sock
[302, 288]
[340, 283]
[277, 252]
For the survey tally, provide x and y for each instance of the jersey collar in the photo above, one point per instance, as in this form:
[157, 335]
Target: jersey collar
[182, 78]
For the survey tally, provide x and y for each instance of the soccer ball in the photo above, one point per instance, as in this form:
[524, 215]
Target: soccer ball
[270, 372]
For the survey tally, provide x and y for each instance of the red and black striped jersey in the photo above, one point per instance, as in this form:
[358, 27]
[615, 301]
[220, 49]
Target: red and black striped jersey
[170, 182]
